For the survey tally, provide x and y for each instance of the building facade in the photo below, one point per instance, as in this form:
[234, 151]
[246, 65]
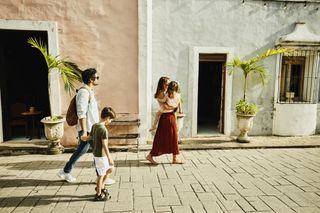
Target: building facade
[193, 39]
[133, 43]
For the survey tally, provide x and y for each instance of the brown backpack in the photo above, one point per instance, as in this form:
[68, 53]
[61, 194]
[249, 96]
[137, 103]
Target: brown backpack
[71, 116]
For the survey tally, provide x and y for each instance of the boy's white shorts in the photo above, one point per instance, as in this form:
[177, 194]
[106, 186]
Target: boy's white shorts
[102, 165]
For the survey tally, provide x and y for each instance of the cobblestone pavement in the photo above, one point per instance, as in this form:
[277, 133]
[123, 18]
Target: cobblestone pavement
[245, 180]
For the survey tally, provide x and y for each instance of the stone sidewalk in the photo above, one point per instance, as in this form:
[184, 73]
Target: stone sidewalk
[236, 180]
[198, 143]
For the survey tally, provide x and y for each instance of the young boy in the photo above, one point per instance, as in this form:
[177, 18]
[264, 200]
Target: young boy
[102, 159]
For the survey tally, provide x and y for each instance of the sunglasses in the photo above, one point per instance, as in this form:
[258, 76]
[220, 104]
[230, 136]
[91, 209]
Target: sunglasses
[96, 77]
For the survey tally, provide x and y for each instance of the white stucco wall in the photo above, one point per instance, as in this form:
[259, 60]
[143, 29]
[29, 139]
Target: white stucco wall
[295, 119]
[249, 28]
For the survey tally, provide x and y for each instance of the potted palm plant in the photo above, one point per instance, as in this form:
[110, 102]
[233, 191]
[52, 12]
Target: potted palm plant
[245, 110]
[70, 74]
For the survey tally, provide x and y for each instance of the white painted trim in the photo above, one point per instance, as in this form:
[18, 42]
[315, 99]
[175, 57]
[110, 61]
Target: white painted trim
[275, 95]
[145, 68]
[52, 30]
[193, 88]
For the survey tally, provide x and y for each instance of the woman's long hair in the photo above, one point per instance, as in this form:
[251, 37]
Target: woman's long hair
[160, 86]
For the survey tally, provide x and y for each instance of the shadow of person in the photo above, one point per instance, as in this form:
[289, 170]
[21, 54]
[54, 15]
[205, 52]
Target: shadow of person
[44, 165]
[42, 200]
[132, 163]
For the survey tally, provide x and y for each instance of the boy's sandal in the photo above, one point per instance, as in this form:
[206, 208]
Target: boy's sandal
[101, 197]
[105, 192]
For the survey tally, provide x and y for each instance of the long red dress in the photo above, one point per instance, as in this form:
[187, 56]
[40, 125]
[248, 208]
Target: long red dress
[166, 138]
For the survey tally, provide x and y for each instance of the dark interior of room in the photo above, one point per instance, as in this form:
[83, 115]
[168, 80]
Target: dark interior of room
[24, 76]
[209, 96]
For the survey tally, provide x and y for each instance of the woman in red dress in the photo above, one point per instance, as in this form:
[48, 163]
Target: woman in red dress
[166, 137]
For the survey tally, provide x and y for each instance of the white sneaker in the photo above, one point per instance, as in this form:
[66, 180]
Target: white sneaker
[66, 176]
[109, 181]
[61, 174]
[69, 178]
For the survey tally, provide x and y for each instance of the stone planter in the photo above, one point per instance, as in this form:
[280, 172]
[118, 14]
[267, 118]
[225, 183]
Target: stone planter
[53, 130]
[245, 123]
[180, 119]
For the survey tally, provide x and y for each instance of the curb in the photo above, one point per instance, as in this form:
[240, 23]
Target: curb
[203, 143]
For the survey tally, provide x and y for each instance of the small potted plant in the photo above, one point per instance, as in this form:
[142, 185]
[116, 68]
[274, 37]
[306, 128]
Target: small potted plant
[245, 110]
[70, 74]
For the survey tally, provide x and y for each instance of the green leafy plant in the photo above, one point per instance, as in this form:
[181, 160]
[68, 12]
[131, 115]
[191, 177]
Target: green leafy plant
[249, 67]
[244, 107]
[69, 71]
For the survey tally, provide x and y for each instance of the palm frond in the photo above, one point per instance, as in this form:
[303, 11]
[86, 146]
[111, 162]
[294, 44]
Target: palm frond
[69, 71]
[42, 47]
[253, 66]
[262, 73]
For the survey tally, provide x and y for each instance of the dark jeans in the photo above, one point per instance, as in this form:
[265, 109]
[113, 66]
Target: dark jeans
[83, 147]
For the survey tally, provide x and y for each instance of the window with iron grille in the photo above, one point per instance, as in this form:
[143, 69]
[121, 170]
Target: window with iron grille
[298, 77]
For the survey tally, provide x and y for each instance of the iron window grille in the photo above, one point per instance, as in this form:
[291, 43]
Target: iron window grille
[299, 77]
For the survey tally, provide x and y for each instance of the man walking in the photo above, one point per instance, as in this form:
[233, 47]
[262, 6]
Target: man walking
[88, 114]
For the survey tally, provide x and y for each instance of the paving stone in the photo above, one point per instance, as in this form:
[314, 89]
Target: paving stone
[285, 199]
[142, 192]
[258, 204]
[181, 209]
[142, 203]
[245, 206]
[168, 190]
[166, 201]
[275, 204]
[300, 199]
[265, 187]
[306, 209]
[230, 205]
[212, 207]
[188, 198]
[162, 209]
[183, 187]
[296, 181]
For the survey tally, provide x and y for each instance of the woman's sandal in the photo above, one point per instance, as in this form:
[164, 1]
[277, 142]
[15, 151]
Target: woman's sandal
[151, 160]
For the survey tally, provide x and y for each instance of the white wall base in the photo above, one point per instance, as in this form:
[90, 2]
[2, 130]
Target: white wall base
[295, 119]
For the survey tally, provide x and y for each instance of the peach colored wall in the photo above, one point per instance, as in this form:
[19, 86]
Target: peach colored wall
[96, 33]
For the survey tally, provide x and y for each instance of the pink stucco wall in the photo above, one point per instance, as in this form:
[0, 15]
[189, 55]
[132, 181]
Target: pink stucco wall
[96, 33]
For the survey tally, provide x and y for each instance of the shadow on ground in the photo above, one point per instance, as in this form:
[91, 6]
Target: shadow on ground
[16, 182]
[38, 200]
[50, 165]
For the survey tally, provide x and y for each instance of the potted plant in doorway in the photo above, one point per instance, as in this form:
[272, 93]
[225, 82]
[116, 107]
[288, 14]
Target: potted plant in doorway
[70, 74]
[245, 110]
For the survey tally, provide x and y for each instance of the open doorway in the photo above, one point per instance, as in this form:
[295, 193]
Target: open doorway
[211, 93]
[24, 78]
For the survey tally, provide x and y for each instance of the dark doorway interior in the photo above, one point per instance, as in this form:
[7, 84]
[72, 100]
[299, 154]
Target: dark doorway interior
[24, 77]
[210, 86]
